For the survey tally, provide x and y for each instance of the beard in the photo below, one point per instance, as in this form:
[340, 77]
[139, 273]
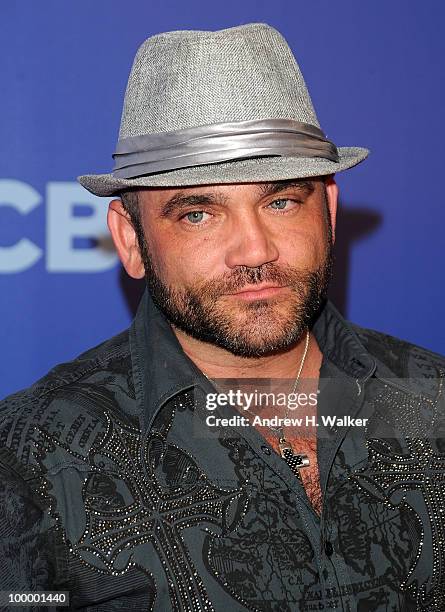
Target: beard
[247, 329]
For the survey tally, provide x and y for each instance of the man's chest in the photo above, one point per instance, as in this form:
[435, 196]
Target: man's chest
[309, 475]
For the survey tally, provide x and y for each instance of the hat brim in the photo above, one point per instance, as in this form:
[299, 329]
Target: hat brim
[252, 170]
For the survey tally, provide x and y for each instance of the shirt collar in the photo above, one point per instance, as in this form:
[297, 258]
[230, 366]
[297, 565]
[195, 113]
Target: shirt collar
[339, 343]
[161, 369]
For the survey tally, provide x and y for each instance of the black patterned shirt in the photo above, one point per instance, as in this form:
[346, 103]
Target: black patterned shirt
[112, 489]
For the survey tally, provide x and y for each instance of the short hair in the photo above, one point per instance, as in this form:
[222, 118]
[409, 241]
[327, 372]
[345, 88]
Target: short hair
[130, 202]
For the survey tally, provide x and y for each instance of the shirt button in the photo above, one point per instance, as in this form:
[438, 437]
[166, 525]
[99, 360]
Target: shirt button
[328, 548]
[266, 450]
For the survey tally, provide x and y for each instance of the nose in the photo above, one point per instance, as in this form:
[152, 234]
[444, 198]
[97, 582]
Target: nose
[251, 243]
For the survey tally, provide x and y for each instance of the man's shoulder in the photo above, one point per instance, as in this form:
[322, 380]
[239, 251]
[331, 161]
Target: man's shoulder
[404, 359]
[93, 373]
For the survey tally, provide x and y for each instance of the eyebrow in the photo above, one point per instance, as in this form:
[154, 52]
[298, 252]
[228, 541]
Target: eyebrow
[307, 186]
[180, 201]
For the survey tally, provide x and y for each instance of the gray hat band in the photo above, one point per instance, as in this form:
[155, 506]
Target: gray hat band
[219, 142]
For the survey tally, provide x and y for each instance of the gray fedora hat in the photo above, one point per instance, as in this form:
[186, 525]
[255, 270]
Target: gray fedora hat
[229, 106]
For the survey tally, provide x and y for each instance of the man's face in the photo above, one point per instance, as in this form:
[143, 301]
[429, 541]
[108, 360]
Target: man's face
[244, 267]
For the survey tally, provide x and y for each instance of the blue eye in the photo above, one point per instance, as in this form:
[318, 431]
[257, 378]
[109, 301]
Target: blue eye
[279, 204]
[196, 216]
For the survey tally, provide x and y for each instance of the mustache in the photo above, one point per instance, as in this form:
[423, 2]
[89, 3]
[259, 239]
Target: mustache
[235, 280]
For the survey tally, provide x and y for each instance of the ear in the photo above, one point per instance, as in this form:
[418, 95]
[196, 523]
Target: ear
[125, 239]
[332, 195]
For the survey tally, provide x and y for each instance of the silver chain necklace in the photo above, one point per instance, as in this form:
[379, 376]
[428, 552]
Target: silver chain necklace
[295, 461]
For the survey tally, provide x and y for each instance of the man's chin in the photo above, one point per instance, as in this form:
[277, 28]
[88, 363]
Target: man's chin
[250, 345]
[259, 332]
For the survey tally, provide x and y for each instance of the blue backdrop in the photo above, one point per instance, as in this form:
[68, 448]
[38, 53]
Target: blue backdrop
[375, 72]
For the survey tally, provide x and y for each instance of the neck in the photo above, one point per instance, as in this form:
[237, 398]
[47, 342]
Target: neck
[217, 362]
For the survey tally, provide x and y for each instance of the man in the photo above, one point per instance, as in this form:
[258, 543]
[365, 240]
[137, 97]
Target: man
[137, 476]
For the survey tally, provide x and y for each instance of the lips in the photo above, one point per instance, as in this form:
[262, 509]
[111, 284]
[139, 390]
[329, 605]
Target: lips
[258, 292]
